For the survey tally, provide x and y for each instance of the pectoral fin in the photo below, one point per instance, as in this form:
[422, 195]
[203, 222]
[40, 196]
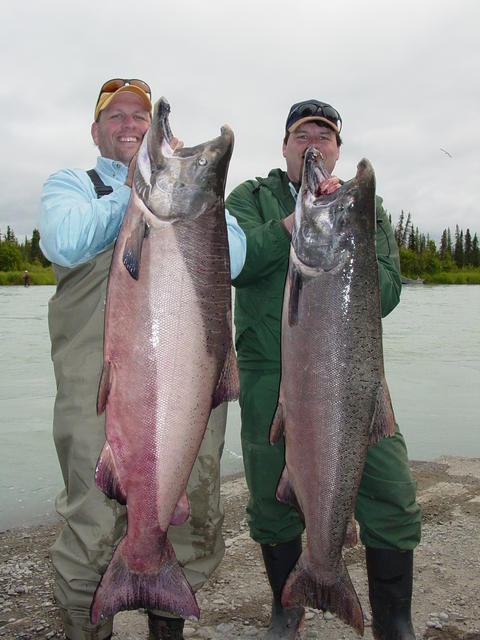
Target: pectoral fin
[295, 288]
[104, 387]
[132, 252]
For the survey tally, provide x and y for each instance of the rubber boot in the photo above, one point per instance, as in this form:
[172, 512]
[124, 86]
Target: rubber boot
[279, 560]
[390, 579]
[162, 628]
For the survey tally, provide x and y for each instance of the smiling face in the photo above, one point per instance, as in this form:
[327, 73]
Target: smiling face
[309, 134]
[121, 126]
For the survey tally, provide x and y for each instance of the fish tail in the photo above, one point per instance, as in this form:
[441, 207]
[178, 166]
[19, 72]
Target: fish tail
[164, 588]
[338, 597]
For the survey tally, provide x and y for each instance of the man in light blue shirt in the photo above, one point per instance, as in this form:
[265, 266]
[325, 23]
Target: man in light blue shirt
[74, 224]
[80, 218]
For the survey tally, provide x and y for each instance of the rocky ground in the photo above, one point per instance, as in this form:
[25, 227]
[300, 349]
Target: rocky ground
[235, 603]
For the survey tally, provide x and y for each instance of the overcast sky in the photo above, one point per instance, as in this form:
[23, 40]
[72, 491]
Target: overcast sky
[403, 75]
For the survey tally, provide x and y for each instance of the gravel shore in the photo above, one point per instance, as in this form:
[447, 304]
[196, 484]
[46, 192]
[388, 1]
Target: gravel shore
[235, 603]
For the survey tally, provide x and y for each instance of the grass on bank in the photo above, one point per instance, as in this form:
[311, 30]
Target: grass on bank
[44, 275]
[38, 275]
[467, 276]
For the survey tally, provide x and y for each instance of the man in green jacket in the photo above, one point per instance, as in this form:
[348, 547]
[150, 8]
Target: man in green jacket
[386, 509]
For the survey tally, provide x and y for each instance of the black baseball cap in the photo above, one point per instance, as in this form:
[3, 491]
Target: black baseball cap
[311, 110]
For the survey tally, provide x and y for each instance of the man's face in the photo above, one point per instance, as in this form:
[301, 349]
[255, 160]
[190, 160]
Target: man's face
[121, 127]
[309, 134]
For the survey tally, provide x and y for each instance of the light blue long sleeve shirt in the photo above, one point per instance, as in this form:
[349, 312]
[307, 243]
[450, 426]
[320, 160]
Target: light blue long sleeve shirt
[75, 225]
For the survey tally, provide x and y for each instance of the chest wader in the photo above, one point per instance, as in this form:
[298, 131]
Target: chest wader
[93, 523]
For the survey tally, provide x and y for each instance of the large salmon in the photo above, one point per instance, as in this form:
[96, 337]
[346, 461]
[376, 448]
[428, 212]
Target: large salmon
[168, 359]
[333, 399]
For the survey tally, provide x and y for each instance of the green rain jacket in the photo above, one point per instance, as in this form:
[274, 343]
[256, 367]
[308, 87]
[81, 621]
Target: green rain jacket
[259, 206]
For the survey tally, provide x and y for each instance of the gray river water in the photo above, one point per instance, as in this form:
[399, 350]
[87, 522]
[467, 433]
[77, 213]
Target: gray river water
[432, 361]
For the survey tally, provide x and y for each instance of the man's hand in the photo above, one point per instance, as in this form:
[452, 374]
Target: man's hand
[328, 186]
[175, 143]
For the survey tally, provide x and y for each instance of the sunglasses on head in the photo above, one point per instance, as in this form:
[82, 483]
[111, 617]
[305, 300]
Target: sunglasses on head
[316, 108]
[112, 85]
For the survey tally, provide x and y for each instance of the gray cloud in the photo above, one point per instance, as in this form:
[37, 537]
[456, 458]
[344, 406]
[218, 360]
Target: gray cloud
[403, 76]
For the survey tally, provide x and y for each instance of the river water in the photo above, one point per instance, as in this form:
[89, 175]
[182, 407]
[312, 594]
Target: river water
[432, 360]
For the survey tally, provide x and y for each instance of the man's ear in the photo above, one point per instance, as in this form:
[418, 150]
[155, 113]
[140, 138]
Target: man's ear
[284, 149]
[94, 132]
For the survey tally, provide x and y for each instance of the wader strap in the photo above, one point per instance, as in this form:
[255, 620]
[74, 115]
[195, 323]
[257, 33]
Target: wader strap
[101, 188]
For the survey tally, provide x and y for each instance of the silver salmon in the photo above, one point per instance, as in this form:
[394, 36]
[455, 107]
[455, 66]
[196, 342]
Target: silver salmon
[168, 359]
[333, 400]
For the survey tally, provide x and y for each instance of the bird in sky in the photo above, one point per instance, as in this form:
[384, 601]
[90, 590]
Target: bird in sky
[446, 152]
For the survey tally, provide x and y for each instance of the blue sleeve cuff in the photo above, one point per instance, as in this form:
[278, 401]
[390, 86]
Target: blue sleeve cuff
[237, 245]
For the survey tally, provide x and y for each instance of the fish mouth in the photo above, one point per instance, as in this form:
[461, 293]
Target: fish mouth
[164, 166]
[155, 148]
[317, 245]
[160, 135]
[326, 227]
[314, 172]
[159, 144]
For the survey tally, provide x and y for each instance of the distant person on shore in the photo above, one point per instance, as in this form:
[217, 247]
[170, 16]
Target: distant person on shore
[80, 218]
[386, 508]
[26, 278]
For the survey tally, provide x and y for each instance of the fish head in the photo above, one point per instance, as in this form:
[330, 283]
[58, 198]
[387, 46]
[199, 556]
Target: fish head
[180, 183]
[327, 229]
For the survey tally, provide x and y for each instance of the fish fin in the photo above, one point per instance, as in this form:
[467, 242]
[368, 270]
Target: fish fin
[303, 587]
[383, 421]
[163, 586]
[132, 251]
[295, 288]
[228, 386]
[351, 537]
[286, 493]
[104, 387]
[107, 478]
[182, 511]
[277, 429]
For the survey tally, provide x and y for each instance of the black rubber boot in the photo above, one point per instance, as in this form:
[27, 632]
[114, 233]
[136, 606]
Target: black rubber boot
[162, 628]
[390, 579]
[279, 560]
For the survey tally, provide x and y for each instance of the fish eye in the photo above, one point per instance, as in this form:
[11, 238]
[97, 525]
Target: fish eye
[202, 162]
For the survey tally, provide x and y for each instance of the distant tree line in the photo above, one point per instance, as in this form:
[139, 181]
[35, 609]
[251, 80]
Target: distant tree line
[16, 256]
[419, 254]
